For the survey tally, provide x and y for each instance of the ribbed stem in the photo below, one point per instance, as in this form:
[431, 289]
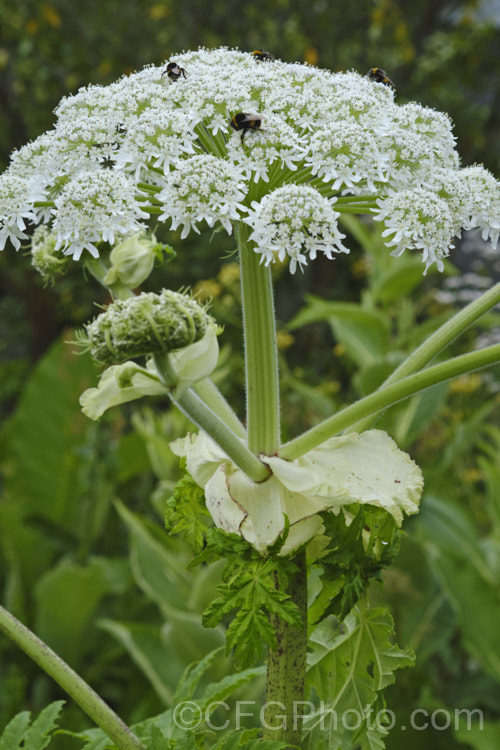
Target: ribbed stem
[261, 354]
[70, 681]
[388, 396]
[286, 667]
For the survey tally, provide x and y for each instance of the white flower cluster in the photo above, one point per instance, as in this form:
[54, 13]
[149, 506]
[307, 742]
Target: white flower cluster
[202, 188]
[16, 209]
[221, 142]
[312, 226]
[418, 219]
[94, 206]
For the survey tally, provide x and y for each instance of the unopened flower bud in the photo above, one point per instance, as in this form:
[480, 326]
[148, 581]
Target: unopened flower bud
[133, 259]
[146, 324]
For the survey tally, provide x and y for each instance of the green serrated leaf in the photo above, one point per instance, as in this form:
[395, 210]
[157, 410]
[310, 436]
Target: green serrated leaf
[357, 551]
[192, 675]
[14, 731]
[38, 735]
[248, 740]
[219, 691]
[34, 737]
[251, 585]
[73, 591]
[95, 739]
[156, 569]
[352, 663]
[187, 514]
[246, 635]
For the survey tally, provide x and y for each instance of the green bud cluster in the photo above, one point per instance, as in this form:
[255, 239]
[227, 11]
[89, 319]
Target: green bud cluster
[48, 261]
[144, 325]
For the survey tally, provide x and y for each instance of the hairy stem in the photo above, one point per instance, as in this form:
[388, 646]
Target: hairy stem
[214, 424]
[70, 681]
[213, 398]
[286, 668]
[198, 412]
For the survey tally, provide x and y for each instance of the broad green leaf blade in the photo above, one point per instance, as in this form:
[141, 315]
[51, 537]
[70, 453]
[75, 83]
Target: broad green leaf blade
[95, 739]
[416, 414]
[398, 280]
[219, 691]
[193, 674]
[364, 341]
[144, 644]
[318, 309]
[185, 636]
[479, 736]
[44, 432]
[465, 575]
[157, 570]
[73, 592]
[238, 741]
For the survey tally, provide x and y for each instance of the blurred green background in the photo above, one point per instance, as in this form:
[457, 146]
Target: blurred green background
[81, 505]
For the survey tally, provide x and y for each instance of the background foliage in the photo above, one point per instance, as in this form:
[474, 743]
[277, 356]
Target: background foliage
[83, 556]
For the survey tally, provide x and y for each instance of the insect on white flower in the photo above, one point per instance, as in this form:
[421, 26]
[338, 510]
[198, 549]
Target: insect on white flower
[168, 144]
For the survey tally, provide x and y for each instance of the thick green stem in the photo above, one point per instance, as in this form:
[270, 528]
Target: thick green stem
[286, 668]
[261, 354]
[70, 681]
[213, 398]
[210, 422]
[388, 396]
[198, 412]
[435, 343]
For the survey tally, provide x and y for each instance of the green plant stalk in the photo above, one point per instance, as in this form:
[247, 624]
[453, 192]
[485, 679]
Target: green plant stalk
[201, 415]
[286, 667]
[196, 410]
[70, 681]
[388, 396]
[261, 353]
[436, 342]
[213, 398]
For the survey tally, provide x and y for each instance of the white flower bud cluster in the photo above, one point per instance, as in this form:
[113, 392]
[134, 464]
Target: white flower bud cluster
[219, 144]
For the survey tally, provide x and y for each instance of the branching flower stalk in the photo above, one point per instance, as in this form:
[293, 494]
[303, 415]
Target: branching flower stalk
[273, 153]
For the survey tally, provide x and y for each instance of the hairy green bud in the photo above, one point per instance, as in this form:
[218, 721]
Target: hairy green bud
[146, 324]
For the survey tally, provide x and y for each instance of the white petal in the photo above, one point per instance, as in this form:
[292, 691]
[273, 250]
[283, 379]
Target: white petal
[257, 510]
[367, 468]
[118, 385]
[203, 456]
